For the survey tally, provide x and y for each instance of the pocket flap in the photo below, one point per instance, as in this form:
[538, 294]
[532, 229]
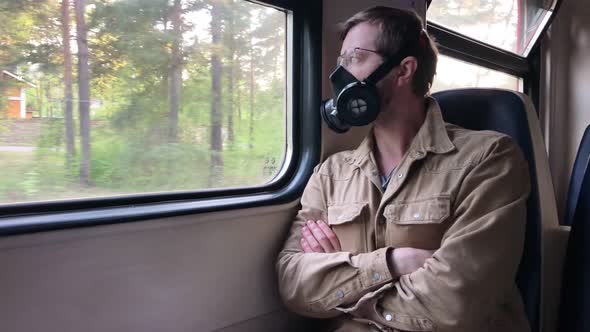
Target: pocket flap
[343, 213]
[425, 211]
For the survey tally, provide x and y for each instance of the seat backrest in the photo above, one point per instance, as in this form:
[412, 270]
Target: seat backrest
[506, 112]
[574, 313]
[580, 167]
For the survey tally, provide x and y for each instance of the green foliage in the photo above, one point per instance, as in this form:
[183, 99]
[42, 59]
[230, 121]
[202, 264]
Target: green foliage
[38, 175]
[51, 136]
[131, 60]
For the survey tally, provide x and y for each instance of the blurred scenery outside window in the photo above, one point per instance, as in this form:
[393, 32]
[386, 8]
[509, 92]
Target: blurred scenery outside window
[453, 74]
[511, 25]
[112, 97]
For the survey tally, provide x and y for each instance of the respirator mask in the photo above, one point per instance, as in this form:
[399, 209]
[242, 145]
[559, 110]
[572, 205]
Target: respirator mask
[354, 102]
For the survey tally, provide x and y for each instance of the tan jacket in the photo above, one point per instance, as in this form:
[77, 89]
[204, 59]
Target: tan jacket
[460, 192]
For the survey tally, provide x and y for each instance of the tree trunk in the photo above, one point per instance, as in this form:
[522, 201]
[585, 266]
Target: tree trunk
[216, 165]
[49, 97]
[68, 113]
[39, 92]
[175, 75]
[252, 87]
[230, 108]
[231, 76]
[83, 91]
[239, 94]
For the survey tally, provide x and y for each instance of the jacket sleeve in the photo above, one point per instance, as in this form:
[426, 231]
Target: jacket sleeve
[475, 267]
[314, 284]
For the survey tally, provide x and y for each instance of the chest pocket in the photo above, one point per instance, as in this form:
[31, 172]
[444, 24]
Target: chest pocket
[417, 224]
[348, 222]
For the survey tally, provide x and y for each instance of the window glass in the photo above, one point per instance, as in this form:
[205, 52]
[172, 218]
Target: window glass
[452, 74]
[512, 25]
[113, 97]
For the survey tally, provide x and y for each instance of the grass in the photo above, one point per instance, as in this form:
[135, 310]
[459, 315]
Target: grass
[40, 175]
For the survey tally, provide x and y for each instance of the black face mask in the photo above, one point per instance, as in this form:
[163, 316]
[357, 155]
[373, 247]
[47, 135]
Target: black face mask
[355, 103]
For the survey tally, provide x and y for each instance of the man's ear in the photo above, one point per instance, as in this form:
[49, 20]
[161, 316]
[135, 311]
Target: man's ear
[406, 70]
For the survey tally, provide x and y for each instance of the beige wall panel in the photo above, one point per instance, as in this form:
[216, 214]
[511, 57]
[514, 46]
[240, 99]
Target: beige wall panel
[193, 273]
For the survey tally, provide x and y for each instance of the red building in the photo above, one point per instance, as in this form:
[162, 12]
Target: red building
[13, 93]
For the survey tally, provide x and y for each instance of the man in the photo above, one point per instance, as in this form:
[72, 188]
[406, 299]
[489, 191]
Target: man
[421, 228]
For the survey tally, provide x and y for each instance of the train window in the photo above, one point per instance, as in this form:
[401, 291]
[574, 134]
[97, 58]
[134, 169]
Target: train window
[452, 73]
[510, 25]
[172, 96]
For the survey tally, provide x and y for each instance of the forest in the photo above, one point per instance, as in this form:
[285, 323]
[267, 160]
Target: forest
[134, 96]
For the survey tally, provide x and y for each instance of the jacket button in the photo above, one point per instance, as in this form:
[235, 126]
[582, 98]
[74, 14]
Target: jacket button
[339, 294]
[376, 276]
[400, 175]
[388, 317]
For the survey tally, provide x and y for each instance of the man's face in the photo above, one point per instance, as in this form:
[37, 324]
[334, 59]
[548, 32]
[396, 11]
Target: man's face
[358, 54]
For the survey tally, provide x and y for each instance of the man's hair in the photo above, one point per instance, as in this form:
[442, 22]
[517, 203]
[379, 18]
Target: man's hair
[400, 28]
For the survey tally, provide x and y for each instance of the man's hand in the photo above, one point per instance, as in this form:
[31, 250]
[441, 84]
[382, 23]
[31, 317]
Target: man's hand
[406, 260]
[319, 237]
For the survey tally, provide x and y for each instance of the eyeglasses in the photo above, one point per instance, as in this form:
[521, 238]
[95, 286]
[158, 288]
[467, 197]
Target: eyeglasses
[353, 56]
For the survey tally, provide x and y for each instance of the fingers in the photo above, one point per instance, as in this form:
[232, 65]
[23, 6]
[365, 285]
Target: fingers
[306, 247]
[320, 236]
[330, 235]
[311, 238]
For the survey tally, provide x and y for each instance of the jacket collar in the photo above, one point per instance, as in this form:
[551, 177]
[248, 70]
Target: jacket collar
[432, 137]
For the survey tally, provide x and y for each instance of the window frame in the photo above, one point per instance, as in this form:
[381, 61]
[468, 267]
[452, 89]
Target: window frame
[303, 134]
[441, 72]
[461, 47]
[467, 49]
